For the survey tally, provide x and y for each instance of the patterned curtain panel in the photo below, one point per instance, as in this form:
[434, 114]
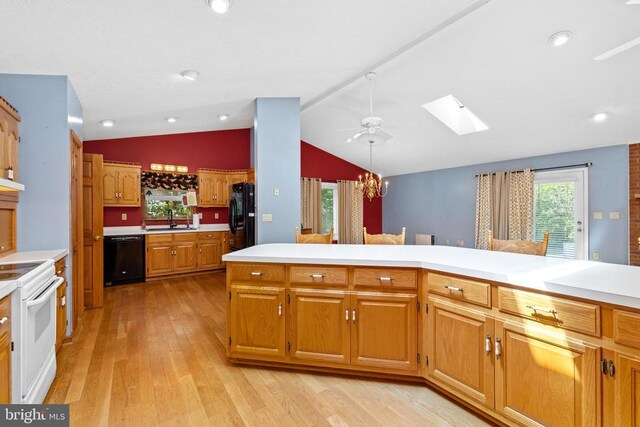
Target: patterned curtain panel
[521, 205]
[357, 215]
[483, 211]
[168, 181]
[311, 204]
[350, 215]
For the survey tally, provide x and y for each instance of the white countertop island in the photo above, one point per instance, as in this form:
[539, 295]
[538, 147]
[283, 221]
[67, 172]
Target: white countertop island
[609, 283]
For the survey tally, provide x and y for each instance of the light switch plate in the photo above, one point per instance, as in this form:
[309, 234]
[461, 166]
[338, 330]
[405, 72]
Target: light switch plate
[614, 215]
[124, 216]
[216, 215]
[596, 256]
[598, 215]
[200, 215]
[267, 218]
[276, 191]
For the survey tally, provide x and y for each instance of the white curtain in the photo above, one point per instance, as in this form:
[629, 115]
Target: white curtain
[311, 204]
[350, 215]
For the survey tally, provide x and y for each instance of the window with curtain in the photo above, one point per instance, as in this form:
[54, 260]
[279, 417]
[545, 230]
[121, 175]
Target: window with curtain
[330, 208]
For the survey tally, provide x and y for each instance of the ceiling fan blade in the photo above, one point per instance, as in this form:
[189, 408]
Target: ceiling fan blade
[384, 134]
[356, 136]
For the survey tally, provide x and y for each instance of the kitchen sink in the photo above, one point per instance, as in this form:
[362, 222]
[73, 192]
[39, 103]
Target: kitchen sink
[170, 229]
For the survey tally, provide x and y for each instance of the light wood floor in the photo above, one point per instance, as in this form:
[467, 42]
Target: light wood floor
[154, 355]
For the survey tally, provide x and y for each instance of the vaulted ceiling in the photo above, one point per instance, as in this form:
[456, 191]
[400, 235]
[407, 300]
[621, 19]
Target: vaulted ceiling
[124, 59]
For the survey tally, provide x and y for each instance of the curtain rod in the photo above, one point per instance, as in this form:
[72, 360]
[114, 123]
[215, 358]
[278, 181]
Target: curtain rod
[579, 165]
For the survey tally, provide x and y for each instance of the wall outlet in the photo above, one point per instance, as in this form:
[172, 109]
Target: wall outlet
[598, 215]
[267, 218]
[447, 242]
[124, 217]
[216, 215]
[459, 242]
[200, 215]
[596, 256]
[276, 191]
[614, 215]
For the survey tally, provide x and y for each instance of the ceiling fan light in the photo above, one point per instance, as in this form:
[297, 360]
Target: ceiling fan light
[219, 6]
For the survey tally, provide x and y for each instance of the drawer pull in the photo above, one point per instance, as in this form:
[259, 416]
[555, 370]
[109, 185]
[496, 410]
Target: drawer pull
[256, 273]
[4, 320]
[385, 279]
[487, 344]
[453, 288]
[536, 309]
[498, 348]
[317, 276]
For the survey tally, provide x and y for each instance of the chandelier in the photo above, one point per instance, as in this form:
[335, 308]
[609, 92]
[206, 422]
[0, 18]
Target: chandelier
[371, 184]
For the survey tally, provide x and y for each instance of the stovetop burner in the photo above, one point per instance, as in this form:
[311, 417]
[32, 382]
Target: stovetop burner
[16, 270]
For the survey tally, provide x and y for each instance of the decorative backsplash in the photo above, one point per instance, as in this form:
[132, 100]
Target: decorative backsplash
[169, 181]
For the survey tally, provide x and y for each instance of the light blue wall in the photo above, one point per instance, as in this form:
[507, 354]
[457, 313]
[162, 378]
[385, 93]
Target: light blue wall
[276, 159]
[45, 104]
[443, 202]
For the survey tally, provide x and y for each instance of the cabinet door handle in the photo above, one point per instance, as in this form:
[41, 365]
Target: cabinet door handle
[385, 279]
[280, 310]
[498, 348]
[346, 315]
[487, 345]
[353, 316]
[256, 273]
[63, 300]
[317, 276]
[535, 309]
[4, 320]
[453, 288]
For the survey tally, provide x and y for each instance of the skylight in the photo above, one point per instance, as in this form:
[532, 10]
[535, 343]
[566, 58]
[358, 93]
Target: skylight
[455, 115]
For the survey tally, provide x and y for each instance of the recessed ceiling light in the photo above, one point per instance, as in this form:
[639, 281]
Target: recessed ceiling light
[171, 119]
[107, 123]
[190, 74]
[223, 117]
[599, 117]
[219, 6]
[560, 38]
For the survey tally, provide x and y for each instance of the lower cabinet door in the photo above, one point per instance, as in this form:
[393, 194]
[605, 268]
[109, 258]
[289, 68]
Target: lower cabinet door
[5, 368]
[209, 254]
[185, 256]
[159, 260]
[627, 391]
[457, 349]
[256, 321]
[320, 326]
[546, 380]
[384, 331]
[61, 313]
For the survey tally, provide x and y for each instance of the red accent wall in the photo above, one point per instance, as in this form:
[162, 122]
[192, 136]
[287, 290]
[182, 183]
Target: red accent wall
[317, 163]
[227, 149]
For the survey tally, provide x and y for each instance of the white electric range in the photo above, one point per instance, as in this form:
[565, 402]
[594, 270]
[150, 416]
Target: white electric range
[34, 332]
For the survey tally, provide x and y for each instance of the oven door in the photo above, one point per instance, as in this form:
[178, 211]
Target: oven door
[39, 332]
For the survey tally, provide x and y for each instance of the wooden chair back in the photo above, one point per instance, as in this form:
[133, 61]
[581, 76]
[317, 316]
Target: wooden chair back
[384, 239]
[519, 246]
[314, 238]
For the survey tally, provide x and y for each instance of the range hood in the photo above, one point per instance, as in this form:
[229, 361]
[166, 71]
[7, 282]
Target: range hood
[8, 185]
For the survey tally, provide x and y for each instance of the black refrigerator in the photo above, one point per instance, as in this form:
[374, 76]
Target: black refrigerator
[242, 216]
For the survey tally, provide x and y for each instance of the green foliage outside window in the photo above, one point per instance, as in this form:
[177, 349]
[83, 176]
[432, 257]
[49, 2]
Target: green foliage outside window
[160, 209]
[327, 210]
[555, 213]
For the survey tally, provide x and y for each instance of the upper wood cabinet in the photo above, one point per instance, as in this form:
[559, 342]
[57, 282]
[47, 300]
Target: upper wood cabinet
[5, 350]
[9, 138]
[213, 186]
[7, 226]
[121, 184]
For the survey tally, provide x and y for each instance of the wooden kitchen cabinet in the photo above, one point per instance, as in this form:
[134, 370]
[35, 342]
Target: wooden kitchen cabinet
[121, 184]
[545, 379]
[320, 325]
[9, 139]
[7, 226]
[159, 259]
[384, 330]
[212, 188]
[61, 302]
[460, 350]
[256, 322]
[185, 256]
[5, 350]
[627, 390]
[211, 247]
[171, 253]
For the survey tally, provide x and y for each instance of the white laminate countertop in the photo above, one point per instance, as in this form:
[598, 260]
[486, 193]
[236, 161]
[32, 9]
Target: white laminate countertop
[137, 230]
[6, 287]
[610, 283]
[55, 255]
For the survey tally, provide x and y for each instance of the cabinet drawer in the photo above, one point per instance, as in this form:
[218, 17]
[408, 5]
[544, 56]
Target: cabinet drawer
[186, 237]
[318, 275]
[626, 328]
[212, 235]
[461, 289]
[159, 238]
[61, 266]
[5, 311]
[391, 278]
[257, 272]
[560, 312]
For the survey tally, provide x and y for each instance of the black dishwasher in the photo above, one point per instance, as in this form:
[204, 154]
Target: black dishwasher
[124, 259]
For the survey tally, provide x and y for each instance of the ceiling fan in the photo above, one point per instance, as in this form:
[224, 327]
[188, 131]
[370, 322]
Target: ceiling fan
[371, 127]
